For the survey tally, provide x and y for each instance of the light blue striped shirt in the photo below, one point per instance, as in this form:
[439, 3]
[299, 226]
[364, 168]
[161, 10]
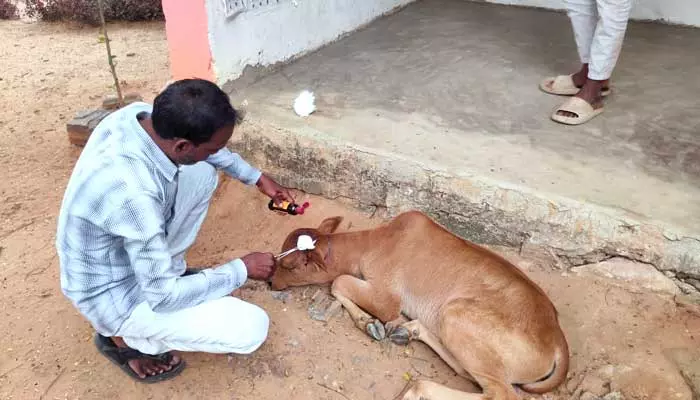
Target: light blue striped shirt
[111, 238]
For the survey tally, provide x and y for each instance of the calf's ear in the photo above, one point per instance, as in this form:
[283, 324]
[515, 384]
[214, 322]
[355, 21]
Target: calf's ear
[329, 225]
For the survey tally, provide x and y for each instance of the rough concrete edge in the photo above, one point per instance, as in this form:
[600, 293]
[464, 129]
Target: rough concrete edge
[254, 73]
[473, 207]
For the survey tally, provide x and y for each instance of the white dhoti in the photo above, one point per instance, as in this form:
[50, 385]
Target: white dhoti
[599, 28]
[225, 325]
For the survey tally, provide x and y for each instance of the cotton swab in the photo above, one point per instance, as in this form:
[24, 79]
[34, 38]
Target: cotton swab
[304, 242]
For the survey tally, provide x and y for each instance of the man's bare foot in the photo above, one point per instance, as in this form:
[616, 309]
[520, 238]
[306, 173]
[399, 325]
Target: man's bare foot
[570, 85]
[592, 93]
[145, 366]
[581, 77]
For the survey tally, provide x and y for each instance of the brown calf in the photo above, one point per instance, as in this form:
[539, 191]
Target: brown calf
[476, 310]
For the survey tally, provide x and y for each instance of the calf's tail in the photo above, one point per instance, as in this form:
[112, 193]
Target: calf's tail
[558, 374]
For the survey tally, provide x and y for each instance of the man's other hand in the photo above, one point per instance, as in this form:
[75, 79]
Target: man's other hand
[260, 266]
[273, 190]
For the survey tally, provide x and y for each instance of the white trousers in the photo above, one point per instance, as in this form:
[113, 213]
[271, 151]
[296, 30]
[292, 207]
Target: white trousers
[599, 29]
[225, 325]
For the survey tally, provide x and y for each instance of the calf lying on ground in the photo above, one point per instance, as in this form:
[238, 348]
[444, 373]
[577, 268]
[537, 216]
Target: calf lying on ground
[476, 310]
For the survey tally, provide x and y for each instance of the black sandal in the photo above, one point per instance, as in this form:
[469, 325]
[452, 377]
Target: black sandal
[121, 356]
[191, 271]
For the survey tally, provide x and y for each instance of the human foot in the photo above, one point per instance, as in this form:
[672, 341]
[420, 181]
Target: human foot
[591, 93]
[147, 366]
[570, 85]
[143, 367]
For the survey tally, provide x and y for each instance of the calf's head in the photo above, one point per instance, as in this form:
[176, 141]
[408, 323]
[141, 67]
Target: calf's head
[310, 266]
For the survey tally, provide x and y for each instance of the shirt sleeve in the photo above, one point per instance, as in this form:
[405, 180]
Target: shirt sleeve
[140, 224]
[235, 166]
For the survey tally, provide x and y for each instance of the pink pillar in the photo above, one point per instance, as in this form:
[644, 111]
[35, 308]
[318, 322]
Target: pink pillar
[186, 27]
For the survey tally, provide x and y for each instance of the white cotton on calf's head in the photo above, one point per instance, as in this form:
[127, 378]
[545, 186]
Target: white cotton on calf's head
[304, 104]
[304, 242]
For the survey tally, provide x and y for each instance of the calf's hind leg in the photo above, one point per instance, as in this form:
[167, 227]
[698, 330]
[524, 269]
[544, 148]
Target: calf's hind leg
[487, 371]
[428, 390]
[470, 332]
[359, 297]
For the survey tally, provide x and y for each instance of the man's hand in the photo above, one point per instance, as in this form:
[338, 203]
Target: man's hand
[273, 190]
[260, 266]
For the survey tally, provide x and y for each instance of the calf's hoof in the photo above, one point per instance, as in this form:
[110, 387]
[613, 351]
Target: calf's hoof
[375, 330]
[400, 336]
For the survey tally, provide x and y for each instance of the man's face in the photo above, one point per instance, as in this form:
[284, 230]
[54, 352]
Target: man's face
[186, 153]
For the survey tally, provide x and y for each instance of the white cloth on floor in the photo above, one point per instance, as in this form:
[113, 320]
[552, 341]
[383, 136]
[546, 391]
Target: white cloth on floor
[599, 29]
[223, 325]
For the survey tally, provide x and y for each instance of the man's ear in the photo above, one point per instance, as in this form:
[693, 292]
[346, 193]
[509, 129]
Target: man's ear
[182, 146]
[329, 225]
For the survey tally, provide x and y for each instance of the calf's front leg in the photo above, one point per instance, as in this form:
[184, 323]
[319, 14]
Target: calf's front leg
[368, 306]
[415, 330]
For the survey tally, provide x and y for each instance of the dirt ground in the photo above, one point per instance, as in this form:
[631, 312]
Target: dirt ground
[621, 341]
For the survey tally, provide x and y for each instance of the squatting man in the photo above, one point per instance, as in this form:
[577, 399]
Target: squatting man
[134, 204]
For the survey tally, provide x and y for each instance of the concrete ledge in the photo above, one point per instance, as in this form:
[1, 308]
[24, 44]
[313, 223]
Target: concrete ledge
[478, 209]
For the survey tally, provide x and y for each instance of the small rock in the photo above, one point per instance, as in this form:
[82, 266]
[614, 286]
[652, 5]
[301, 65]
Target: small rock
[589, 396]
[284, 297]
[130, 54]
[319, 294]
[337, 385]
[323, 307]
[686, 288]
[613, 396]
[690, 303]
[606, 372]
[688, 362]
[632, 274]
[670, 274]
[574, 383]
[694, 282]
[594, 385]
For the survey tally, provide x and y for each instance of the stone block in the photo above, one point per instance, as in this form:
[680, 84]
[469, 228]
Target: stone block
[111, 102]
[82, 125]
[132, 98]
[284, 297]
[323, 307]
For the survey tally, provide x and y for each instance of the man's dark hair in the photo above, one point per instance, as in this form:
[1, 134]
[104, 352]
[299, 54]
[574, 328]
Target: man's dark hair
[192, 109]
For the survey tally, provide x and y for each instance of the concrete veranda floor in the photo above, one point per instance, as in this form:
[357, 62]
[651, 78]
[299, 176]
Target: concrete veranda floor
[455, 84]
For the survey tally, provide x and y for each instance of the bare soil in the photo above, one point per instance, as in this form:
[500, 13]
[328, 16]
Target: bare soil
[620, 340]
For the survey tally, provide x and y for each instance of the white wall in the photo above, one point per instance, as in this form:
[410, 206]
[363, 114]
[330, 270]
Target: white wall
[287, 28]
[684, 12]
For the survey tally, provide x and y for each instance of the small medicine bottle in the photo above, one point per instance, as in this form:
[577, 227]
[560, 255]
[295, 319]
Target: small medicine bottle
[287, 207]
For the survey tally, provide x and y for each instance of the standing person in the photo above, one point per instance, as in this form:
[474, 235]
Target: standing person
[133, 206]
[599, 29]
